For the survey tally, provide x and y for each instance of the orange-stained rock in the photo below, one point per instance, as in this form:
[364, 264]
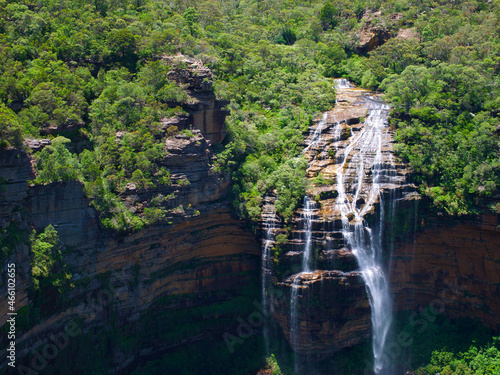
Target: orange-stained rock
[376, 30]
[199, 257]
[206, 112]
[455, 264]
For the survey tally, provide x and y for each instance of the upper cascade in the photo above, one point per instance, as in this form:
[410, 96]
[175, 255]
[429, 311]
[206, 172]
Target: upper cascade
[342, 83]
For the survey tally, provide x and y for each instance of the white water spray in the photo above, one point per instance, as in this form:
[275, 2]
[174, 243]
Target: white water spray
[342, 83]
[269, 221]
[363, 154]
[316, 136]
[307, 218]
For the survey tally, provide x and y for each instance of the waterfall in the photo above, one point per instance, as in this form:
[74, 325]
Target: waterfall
[316, 135]
[294, 317]
[269, 221]
[312, 143]
[357, 197]
[356, 213]
[306, 218]
[307, 215]
[342, 83]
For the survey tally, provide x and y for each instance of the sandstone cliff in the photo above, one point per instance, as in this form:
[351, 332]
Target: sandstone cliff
[452, 264]
[182, 280]
[203, 259]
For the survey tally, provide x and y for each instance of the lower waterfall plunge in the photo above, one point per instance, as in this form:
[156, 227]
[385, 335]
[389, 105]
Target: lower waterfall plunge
[363, 152]
[269, 219]
[307, 213]
[294, 318]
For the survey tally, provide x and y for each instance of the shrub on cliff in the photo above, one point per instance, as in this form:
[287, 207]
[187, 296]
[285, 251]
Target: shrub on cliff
[56, 163]
[49, 277]
[11, 131]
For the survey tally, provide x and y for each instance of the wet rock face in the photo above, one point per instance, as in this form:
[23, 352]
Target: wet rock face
[343, 134]
[332, 308]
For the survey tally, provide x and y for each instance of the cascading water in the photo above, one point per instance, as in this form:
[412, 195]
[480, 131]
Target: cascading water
[342, 83]
[316, 135]
[269, 222]
[294, 317]
[307, 218]
[354, 201]
[307, 215]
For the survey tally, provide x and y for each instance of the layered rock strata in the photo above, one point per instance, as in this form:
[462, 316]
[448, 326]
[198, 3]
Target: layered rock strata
[453, 265]
[197, 258]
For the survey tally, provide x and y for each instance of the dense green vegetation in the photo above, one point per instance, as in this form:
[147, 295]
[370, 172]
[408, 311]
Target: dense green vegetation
[441, 346]
[49, 276]
[444, 88]
[482, 360]
[96, 67]
[448, 347]
[90, 76]
[448, 132]
[9, 238]
[208, 357]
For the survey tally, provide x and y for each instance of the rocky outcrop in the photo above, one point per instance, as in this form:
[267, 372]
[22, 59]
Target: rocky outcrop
[206, 112]
[208, 116]
[408, 33]
[68, 126]
[375, 31]
[453, 265]
[188, 159]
